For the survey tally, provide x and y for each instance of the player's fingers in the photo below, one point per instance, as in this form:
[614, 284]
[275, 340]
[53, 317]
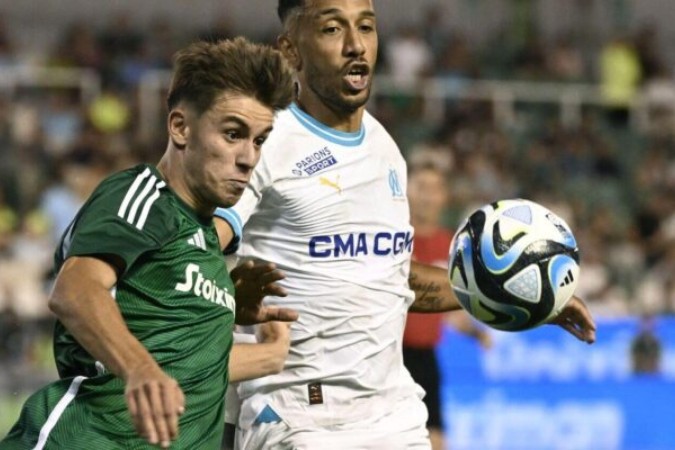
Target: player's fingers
[273, 331]
[275, 290]
[144, 423]
[257, 268]
[241, 269]
[180, 400]
[579, 315]
[581, 333]
[280, 314]
[154, 394]
[582, 312]
[271, 277]
[132, 404]
[169, 399]
[570, 328]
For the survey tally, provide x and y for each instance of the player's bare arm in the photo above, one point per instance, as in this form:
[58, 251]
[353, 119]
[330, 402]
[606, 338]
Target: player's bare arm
[433, 292]
[82, 302]
[267, 358]
[576, 319]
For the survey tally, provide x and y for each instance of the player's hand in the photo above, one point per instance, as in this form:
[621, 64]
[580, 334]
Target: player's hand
[273, 332]
[252, 282]
[576, 319]
[155, 401]
[278, 336]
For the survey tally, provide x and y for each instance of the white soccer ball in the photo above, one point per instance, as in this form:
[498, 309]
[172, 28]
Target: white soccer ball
[514, 264]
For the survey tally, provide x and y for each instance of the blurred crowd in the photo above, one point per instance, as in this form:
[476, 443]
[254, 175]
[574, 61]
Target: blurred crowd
[613, 183]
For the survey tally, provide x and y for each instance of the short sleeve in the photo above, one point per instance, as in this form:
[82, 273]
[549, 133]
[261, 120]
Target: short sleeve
[125, 217]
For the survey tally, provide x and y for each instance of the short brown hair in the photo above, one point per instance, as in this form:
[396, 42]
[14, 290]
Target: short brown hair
[204, 70]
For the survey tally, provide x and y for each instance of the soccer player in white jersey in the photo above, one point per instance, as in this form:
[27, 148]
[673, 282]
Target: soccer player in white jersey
[327, 205]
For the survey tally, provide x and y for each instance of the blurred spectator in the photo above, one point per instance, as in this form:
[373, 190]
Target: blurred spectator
[119, 41]
[7, 56]
[8, 224]
[564, 61]
[455, 65]
[658, 96]
[24, 269]
[63, 198]
[649, 55]
[120, 37]
[646, 349]
[221, 28]
[434, 30]
[162, 41]
[655, 293]
[12, 350]
[530, 58]
[620, 77]
[109, 113]
[78, 48]
[61, 122]
[596, 285]
[408, 56]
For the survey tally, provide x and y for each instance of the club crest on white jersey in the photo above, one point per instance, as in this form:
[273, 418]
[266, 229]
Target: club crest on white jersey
[395, 185]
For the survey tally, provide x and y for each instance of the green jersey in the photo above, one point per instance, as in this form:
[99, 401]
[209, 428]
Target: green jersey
[176, 297]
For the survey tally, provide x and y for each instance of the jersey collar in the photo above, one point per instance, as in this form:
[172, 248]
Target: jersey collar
[319, 129]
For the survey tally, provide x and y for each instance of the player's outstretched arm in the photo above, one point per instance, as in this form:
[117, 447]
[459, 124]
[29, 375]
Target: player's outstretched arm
[254, 360]
[577, 320]
[82, 302]
[252, 282]
[433, 292]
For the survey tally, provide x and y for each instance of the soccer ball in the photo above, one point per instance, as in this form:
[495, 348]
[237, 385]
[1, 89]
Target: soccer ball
[513, 264]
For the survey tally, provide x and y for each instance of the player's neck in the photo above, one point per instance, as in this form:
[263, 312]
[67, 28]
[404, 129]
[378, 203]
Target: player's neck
[340, 120]
[172, 170]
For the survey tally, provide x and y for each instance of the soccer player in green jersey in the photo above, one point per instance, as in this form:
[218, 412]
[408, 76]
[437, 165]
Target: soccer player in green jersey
[144, 301]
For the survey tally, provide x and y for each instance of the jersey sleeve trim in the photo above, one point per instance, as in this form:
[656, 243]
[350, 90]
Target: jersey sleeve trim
[140, 199]
[231, 217]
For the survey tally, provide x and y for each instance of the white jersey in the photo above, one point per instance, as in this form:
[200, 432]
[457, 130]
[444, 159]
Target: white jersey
[329, 209]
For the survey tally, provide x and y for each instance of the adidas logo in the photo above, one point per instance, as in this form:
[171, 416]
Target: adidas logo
[198, 240]
[568, 278]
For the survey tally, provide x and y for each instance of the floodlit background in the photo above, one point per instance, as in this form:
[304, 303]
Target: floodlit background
[569, 103]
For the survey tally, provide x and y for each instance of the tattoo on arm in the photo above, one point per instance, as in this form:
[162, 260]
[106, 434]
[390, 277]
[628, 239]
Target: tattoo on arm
[427, 295]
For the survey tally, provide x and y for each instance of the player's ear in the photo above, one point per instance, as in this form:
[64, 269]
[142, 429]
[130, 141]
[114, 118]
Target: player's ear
[289, 50]
[178, 128]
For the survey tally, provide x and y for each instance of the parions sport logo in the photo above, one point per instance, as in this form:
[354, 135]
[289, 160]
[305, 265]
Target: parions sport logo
[360, 244]
[315, 162]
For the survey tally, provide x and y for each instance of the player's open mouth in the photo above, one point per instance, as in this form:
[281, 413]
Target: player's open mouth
[357, 77]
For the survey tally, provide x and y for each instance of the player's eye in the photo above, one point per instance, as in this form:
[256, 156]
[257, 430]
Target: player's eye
[258, 142]
[330, 30]
[232, 135]
[366, 28]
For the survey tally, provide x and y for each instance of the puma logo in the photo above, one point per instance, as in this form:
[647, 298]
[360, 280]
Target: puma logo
[335, 185]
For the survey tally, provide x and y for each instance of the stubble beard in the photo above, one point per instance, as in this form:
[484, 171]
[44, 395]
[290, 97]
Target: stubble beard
[333, 97]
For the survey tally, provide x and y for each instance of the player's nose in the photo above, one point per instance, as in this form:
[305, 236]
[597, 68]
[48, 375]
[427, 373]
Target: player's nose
[248, 156]
[353, 45]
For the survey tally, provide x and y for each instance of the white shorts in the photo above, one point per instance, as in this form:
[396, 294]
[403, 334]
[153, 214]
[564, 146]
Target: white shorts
[404, 428]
